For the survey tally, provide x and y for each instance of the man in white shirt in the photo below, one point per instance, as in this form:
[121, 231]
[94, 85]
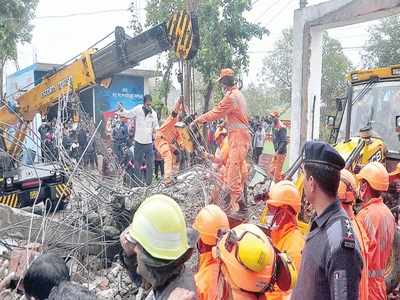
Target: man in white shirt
[146, 123]
[259, 140]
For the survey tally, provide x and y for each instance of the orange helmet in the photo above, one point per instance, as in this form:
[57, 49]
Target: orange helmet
[208, 222]
[347, 180]
[396, 171]
[248, 257]
[225, 72]
[220, 131]
[376, 175]
[285, 193]
[275, 114]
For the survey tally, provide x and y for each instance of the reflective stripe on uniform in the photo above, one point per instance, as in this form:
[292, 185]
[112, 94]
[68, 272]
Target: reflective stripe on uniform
[236, 126]
[161, 240]
[376, 273]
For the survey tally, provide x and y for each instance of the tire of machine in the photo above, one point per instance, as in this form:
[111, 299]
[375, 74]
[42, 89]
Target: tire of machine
[392, 271]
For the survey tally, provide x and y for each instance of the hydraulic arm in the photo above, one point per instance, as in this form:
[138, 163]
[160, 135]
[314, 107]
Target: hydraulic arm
[179, 33]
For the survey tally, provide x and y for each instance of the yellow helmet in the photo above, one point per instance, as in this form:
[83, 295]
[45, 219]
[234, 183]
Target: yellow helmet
[248, 257]
[254, 253]
[160, 228]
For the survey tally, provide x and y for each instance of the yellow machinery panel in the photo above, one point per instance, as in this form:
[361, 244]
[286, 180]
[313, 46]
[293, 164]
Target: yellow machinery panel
[9, 200]
[381, 73]
[73, 77]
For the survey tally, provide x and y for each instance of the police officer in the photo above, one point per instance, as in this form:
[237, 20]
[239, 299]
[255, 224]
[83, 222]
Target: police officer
[331, 263]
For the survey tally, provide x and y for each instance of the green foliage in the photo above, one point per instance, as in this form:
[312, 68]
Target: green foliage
[15, 27]
[383, 45]
[224, 35]
[277, 69]
[261, 100]
[134, 23]
[335, 67]
[158, 106]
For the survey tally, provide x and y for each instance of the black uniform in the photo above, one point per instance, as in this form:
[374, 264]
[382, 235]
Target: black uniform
[280, 140]
[331, 262]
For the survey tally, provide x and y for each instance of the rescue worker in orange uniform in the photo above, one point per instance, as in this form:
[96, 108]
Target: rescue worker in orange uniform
[220, 157]
[249, 265]
[283, 206]
[209, 223]
[347, 196]
[233, 108]
[219, 160]
[166, 136]
[280, 141]
[379, 224]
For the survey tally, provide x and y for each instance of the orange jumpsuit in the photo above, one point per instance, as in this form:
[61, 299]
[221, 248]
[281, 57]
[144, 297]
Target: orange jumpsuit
[233, 107]
[221, 157]
[219, 165]
[288, 239]
[166, 135]
[280, 145]
[206, 278]
[380, 227]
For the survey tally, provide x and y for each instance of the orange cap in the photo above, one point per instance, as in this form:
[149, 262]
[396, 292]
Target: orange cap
[285, 193]
[275, 114]
[396, 171]
[225, 72]
[347, 179]
[208, 222]
[241, 276]
[376, 175]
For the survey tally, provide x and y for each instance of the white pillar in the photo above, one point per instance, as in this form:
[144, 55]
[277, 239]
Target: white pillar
[314, 82]
[297, 85]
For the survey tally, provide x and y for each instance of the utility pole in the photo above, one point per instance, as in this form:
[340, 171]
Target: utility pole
[191, 7]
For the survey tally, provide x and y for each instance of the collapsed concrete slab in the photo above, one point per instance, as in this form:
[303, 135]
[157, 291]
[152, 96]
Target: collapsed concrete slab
[19, 225]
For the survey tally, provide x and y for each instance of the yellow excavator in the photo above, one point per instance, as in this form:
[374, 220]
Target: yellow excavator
[365, 128]
[22, 185]
[367, 121]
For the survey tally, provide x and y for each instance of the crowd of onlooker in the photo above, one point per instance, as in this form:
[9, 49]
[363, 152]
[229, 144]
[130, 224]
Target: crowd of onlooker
[260, 126]
[129, 136]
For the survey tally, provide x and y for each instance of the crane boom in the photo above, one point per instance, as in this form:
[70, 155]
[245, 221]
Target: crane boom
[23, 185]
[179, 33]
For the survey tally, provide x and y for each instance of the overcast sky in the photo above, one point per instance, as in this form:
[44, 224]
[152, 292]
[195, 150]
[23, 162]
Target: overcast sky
[61, 32]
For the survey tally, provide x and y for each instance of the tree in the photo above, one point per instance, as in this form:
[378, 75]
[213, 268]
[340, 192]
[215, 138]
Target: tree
[277, 70]
[382, 48]
[335, 67]
[224, 36]
[277, 67]
[262, 99]
[15, 27]
[134, 23]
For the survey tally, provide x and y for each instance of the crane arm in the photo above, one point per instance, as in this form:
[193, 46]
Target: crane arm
[179, 33]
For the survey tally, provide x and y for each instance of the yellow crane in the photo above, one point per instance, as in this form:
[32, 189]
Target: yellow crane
[19, 184]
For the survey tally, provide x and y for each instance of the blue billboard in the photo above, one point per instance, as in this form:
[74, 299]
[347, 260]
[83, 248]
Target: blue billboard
[127, 90]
